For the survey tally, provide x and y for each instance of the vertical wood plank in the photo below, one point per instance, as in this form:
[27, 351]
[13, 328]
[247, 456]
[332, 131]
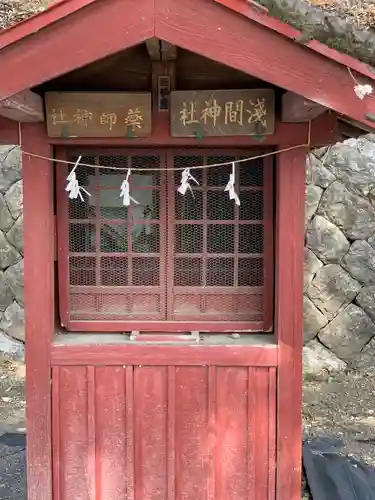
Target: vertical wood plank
[272, 433]
[212, 434]
[251, 434]
[231, 433]
[268, 227]
[171, 424]
[260, 388]
[91, 433]
[191, 433]
[129, 410]
[74, 433]
[150, 405]
[62, 222]
[56, 449]
[288, 318]
[110, 432]
[40, 310]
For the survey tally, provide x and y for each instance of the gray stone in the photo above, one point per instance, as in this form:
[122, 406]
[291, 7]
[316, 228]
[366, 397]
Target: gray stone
[313, 195]
[366, 300]
[371, 196]
[326, 240]
[15, 234]
[8, 254]
[317, 173]
[6, 219]
[13, 322]
[320, 153]
[310, 266]
[353, 162]
[348, 332]
[354, 215]
[14, 199]
[14, 277]
[332, 289]
[364, 361]
[10, 348]
[10, 166]
[360, 262]
[317, 360]
[313, 320]
[371, 240]
[6, 295]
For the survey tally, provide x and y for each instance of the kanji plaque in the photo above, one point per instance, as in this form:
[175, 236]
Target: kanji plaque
[222, 113]
[98, 114]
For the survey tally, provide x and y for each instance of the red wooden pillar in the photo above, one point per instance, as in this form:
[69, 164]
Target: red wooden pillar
[39, 300]
[290, 173]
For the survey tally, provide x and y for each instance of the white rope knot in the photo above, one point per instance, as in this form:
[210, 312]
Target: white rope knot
[362, 91]
[125, 191]
[73, 188]
[230, 186]
[185, 178]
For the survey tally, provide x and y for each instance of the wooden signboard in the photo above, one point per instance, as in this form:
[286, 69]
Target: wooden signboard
[98, 114]
[222, 113]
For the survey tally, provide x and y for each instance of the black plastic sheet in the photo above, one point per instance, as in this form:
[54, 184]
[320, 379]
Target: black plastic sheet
[331, 476]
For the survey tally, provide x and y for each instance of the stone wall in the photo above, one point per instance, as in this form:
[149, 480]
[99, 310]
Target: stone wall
[11, 253]
[339, 300]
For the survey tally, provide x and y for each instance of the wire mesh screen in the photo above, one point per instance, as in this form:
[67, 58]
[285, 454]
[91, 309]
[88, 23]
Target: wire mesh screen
[115, 264]
[197, 257]
[218, 247]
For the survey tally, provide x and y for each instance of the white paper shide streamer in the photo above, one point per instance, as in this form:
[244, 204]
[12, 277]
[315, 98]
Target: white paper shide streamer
[73, 188]
[125, 191]
[230, 186]
[185, 178]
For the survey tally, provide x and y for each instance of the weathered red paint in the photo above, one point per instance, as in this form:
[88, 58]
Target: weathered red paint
[290, 172]
[179, 355]
[9, 133]
[173, 432]
[40, 307]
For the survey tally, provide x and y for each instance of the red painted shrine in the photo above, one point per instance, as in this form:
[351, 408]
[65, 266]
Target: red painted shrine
[164, 328]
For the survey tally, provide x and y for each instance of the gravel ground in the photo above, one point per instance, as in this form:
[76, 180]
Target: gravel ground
[342, 406]
[12, 432]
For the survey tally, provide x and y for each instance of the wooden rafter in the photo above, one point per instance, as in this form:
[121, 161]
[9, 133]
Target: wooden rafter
[295, 108]
[23, 107]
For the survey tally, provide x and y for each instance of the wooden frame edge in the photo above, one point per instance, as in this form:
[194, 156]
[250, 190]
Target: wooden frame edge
[290, 199]
[164, 355]
[40, 308]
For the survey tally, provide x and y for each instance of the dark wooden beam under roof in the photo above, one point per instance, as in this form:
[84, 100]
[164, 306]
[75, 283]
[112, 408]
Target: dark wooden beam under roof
[160, 50]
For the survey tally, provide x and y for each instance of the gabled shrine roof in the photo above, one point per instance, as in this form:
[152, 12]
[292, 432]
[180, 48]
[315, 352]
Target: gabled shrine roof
[345, 25]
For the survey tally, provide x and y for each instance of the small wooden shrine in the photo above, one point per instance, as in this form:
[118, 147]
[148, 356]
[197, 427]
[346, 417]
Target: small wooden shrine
[164, 146]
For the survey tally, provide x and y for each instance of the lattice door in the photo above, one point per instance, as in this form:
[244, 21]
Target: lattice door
[116, 255]
[196, 260]
[219, 251]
